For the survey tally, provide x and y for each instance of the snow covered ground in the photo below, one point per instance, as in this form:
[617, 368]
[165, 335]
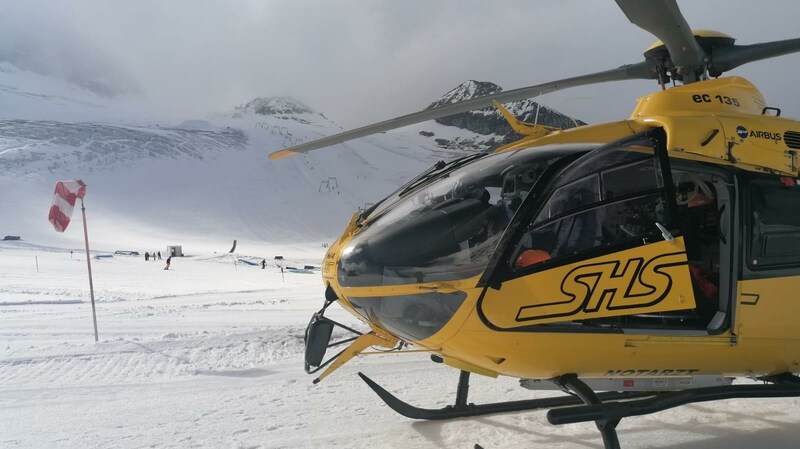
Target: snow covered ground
[209, 354]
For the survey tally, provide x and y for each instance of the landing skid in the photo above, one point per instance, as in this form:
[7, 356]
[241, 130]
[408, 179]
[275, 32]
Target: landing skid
[462, 409]
[605, 409]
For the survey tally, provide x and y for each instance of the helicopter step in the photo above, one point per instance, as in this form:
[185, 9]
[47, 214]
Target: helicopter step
[781, 386]
[606, 409]
[637, 383]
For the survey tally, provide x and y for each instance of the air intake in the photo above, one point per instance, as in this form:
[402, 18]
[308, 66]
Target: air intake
[792, 139]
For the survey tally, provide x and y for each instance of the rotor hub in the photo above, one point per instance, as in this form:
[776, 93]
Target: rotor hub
[708, 40]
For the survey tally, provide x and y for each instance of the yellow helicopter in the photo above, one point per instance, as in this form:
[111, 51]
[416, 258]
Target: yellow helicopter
[637, 265]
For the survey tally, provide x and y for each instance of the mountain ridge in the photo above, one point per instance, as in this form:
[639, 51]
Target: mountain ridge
[205, 180]
[489, 121]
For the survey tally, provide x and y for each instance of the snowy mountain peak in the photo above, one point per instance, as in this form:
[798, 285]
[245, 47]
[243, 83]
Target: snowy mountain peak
[489, 122]
[274, 106]
[467, 90]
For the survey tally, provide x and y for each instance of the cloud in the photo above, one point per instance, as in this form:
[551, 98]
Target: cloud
[361, 61]
[35, 40]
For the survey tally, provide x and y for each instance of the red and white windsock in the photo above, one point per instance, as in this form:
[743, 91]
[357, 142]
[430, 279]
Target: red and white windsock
[67, 192]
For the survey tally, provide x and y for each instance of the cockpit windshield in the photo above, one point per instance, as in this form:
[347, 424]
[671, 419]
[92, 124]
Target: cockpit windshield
[440, 169]
[445, 224]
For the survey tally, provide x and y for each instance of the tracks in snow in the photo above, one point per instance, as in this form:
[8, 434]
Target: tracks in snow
[175, 356]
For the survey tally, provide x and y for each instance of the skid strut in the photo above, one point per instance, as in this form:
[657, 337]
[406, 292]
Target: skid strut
[607, 427]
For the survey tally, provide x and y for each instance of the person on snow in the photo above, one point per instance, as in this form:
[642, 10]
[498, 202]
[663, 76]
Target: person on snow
[264, 264]
[146, 256]
[169, 259]
[159, 255]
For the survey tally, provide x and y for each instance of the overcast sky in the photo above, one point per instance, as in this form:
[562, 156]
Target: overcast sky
[361, 61]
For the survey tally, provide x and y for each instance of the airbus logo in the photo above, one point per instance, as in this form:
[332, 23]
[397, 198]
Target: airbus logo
[776, 137]
[741, 131]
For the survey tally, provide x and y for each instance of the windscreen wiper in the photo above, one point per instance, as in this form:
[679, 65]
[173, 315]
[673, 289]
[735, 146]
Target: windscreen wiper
[363, 216]
[437, 170]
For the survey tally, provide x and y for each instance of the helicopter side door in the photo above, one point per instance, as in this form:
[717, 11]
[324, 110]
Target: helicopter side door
[598, 242]
[767, 305]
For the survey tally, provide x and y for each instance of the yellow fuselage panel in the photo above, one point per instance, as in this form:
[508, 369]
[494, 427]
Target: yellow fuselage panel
[758, 142]
[543, 355]
[769, 309]
[599, 133]
[731, 95]
[765, 339]
[648, 279]
[718, 121]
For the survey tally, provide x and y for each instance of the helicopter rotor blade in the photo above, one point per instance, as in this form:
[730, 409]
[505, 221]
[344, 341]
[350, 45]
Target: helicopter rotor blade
[729, 57]
[641, 70]
[663, 19]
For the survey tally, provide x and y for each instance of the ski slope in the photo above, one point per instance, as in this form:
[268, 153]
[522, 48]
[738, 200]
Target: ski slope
[209, 354]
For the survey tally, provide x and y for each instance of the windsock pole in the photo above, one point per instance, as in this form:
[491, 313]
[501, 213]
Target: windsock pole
[89, 266]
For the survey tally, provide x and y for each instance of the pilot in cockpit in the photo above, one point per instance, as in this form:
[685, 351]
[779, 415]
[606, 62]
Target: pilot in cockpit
[517, 183]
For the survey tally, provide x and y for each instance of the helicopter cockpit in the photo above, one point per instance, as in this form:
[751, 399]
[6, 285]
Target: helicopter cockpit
[575, 204]
[624, 197]
[444, 225]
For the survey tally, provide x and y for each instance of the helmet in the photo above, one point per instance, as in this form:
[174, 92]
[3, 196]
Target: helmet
[531, 257]
[528, 176]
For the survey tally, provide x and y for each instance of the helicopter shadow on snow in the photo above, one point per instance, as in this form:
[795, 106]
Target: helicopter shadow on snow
[778, 435]
[434, 431]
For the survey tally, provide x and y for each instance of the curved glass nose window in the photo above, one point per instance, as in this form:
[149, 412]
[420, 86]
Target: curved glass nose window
[447, 226]
[412, 317]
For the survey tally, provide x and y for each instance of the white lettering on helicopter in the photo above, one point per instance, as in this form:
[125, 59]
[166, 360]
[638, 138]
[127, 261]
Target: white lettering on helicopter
[649, 372]
[766, 135]
[610, 286]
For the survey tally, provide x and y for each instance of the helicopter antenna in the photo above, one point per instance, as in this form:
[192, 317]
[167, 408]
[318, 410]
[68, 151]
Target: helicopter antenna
[661, 75]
